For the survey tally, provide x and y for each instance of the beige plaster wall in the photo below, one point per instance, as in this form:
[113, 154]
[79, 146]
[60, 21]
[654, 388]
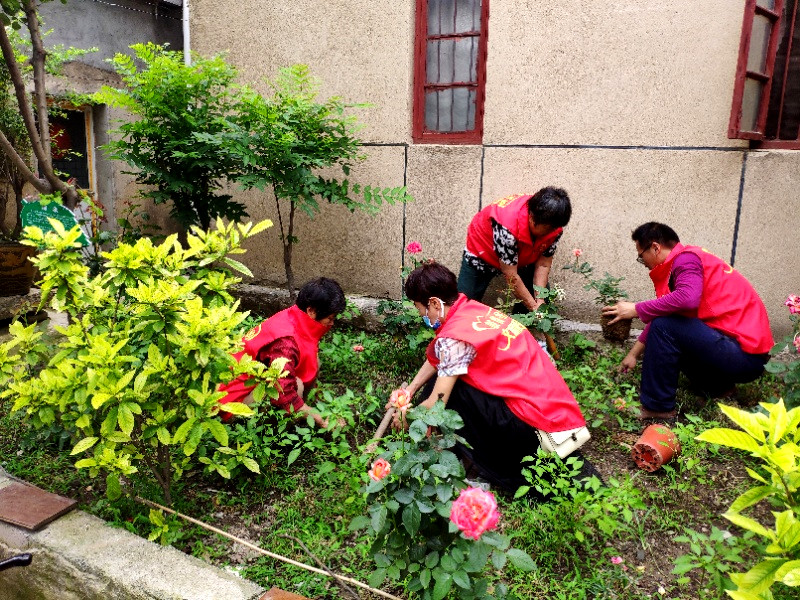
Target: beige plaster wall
[362, 51]
[614, 191]
[612, 73]
[444, 181]
[362, 252]
[766, 251]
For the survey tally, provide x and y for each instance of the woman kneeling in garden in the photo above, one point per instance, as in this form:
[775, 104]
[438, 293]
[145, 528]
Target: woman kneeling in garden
[293, 334]
[491, 371]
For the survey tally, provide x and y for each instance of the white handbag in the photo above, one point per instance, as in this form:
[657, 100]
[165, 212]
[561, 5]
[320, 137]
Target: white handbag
[563, 443]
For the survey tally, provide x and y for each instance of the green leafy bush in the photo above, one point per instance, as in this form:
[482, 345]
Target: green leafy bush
[133, 378]
[409, 516]
[772, 436]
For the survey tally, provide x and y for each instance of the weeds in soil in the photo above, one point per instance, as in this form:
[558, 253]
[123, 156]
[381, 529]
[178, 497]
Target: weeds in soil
[618, 539]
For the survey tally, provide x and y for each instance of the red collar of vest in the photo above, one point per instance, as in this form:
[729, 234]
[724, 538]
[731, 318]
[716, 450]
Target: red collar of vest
[661, 272]
[307, 327]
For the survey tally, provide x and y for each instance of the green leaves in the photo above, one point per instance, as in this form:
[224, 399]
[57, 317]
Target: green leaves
[771, 436]
[133, 377]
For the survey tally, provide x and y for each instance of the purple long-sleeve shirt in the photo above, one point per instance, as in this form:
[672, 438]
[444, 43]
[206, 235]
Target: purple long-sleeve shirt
[686, 283]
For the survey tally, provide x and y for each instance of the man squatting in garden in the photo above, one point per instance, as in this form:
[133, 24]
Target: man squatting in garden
[492, 372]
[516, 236]
[294, 334]
[706, 320]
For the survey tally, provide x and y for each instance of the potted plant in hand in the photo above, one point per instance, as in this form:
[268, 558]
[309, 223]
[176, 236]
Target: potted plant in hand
[607, 292]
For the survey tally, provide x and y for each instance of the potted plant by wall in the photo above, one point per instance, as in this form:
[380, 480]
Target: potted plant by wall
[25, 136]
[607, 291]
[16, 271]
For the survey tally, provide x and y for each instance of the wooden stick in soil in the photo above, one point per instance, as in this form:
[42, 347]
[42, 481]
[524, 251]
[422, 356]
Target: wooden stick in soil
[265, 552]
[384, 424]
[387, 418]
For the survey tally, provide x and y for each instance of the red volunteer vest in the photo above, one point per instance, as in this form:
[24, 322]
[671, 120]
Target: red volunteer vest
[729, 303]
[291, 322]
[512, 213]
[510, 364]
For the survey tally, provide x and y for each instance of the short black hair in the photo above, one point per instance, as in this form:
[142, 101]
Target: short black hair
[550, 206]
[324, 295]
[432, 280]
[649, 233]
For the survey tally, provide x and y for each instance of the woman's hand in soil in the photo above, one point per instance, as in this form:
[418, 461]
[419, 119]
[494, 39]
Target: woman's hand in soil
[620, 311]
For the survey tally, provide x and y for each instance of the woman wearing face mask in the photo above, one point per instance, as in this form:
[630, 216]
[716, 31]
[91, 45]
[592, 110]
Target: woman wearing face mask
[489, 369]
[292, 334]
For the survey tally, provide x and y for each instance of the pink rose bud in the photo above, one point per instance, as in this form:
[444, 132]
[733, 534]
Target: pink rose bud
[577, 252]
[380, 469]
[358, 348]
[414, 248]
[797, 342]
[401, 400]
[474, 511]
[616, 560]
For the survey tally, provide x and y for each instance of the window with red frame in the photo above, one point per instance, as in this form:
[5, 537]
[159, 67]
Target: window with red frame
[766, 97]
[450, 71]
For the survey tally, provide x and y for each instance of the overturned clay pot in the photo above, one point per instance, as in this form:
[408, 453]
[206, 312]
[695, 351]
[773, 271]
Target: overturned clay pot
[656, 447]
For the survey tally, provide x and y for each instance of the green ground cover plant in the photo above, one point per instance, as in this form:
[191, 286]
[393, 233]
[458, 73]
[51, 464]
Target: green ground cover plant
[621, 539]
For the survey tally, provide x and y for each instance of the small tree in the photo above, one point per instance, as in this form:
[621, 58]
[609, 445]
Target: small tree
[174, 104]
[34, 116]
[284, 142]
[134, 376]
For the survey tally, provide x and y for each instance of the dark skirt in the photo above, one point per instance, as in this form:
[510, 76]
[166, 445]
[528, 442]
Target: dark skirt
[499, 439]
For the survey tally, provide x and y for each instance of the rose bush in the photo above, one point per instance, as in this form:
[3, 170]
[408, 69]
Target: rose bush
[415, 521]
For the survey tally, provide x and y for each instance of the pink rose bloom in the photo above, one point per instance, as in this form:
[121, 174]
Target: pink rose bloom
[358, 348]
[616, 560]
[793, 302]
[414, 248]
[474, 511]
[380, 469]
[797, 342]
[401, 400]
[577, 252]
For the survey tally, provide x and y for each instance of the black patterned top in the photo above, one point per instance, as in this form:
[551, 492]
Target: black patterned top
[506, 247]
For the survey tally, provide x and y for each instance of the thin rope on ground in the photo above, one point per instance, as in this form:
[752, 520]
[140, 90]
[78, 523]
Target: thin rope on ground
[262, 551]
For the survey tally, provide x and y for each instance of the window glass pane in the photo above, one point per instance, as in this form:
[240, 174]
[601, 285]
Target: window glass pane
[452, 61]
[450, 110]
[750, 104]
[453, 16]
[759, 41]
[770, 4]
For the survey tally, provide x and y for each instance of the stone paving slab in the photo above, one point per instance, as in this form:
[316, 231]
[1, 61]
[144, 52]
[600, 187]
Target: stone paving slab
[30, 507]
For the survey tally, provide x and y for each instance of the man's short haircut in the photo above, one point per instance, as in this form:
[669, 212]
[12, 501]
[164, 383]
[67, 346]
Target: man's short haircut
[648, 234]
[550, 206]
[432, 280]
[324, 295]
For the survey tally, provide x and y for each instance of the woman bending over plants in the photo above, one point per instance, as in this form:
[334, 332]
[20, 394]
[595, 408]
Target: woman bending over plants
[292, 334]
[492, 372]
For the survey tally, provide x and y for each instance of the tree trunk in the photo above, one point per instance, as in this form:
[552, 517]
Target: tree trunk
[288, 246]
[38, 132]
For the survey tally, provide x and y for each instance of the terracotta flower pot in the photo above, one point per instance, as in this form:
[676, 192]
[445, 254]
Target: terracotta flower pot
[618, 332]
[656, 447]
[16, 271]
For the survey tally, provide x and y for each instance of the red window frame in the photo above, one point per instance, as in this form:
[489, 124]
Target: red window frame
[757, 134]
[419, 133]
